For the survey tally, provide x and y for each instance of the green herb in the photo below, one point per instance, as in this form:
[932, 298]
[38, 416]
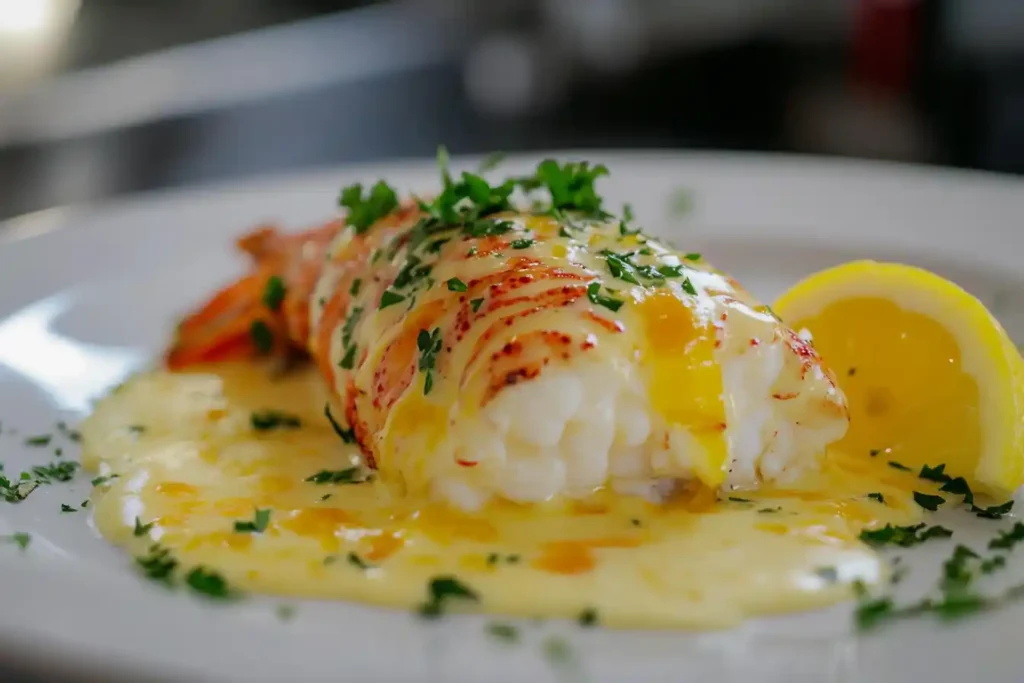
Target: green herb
[475, 304]
[898, 466]
[769, 511]
[20, 538]
[877, 496]
[903, 536]
[16, 492]
[354, 289]
[557, 650]
[936, 473]
[37, 441]
[681, 202]
[429, 345]
[956, 571]
[959, 487]
[364, 211]
[136, 429]
[595, 296]
[956, 605]
[587, 617]
[47, 474]
[993, 563]
[1009, 538]
[326, 496]
[390, 298]
[506, 632]
[442, 590]
[262, 337]
[737, 499]
[69, 434]
[870, 613]
[258, 524]
[285, 612]
[265, 420]
[491, 162]
[850, 373]
[100, 481]
[349, 360]
[141, 529]
[874, 451]
[456, 285]
[346, 435]
[208, 583]
[522, 243]
[689, 288]
[349, 475]
[411, 273]
[84, 503]
[64, 507]
[472, 251]
[273, 293]
[356, 561]
[158, 564]
[692, 257]
[994, 512]
[928, 502]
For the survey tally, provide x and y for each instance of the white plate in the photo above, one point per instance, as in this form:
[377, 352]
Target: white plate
[89, 295]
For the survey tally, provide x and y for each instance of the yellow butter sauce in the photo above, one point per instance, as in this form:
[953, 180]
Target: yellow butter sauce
[189, 461]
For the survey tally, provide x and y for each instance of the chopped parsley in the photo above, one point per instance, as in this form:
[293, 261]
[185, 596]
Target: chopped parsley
[429, 344]
[994, 512]
[390, 298]
[491, 162]
[495, 558]
[692, 257]
[959, 487]
[898, 466]
[827, 574]
[456, 285]
[769, 511]
[39, 441]
[273, 293]
[475, 304]
[72, 434]
[877, 496]
[588, 617]
[936, 473]
[354, 289]
[64, 507]
[903, 536]
[356, 561]
[140, 528]
[285, 612]
[61, 471]
[365, 210]
[346, 435]
[208, 583]
[595, 296]
[1009, 538]
[101, 480]
[262, 337]
[993, 563]
[506, 632]
[266, 420]
[20, 538]
[349, 475]
[257, 525]
[737, 499]
[158, 564]
[928, 502]
[16, 492]
[442, 590]
[689, 288]
[136, 429]
[524, 243]
[349, 360]
[557, 650]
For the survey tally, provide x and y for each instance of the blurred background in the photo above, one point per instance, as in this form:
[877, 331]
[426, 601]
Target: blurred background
[104, 97]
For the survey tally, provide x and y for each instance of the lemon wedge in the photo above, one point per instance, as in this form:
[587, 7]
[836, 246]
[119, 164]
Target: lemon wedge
[929, 374]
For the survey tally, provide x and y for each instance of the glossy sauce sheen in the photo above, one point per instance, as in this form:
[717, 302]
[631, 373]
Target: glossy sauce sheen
[189, 461]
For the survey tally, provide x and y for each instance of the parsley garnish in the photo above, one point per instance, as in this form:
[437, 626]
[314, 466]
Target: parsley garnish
[588, 617]
[285, 612]
[365, 211]
[349, 360]
[903, 536]
[273, 293]
[877, 496]
[440, 591]
[827, 574]
[994, 512]
[898, 466]
[140, 528]
[1009, 538]
[262, 337]
[349, 475]
[429, 344]
[21, 538]
[928, 502]
[490, 162]
[737, 499]
[38, 441]
[356, 561]
[595, 296]
[100, 481]
[692, 257]
[959, 487]
[524, 243]
[136, 429]
[346, 435]
[265, 420]
[475, 304]
[258, 524]
[64, 507]
[208, 583]
[158, 564]
[390, 298]
[934, 473]
[456, 285]
[557, 650]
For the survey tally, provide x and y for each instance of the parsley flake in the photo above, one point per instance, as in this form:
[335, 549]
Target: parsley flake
[595, 296]
[266, 420]
[475, 304]
[877, 496]
[273, 293]
[456, 285]
[1009, 538]
[994, 512]
[262, 337]
[140, 528]
[898, 466]
[64, 507]
[928, 502]
[525, 243]
[208, 583]
[356, 561]
[20, 538]
[364, 211]
[38, 441]
[349, 475]
[903, 536]
[346, 435]
[506, 632]
[429, 345]
[440, 591]
[258, 524]
[936, 473]
[588, 617]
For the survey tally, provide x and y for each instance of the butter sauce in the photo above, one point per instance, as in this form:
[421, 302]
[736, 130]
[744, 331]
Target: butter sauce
[189, 460]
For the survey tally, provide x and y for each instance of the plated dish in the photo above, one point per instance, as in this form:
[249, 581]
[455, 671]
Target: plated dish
[219, 473]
